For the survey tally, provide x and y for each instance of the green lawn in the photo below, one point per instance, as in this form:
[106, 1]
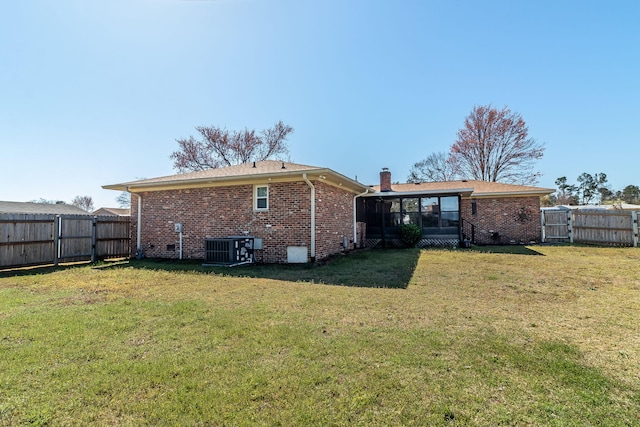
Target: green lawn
[537, 335]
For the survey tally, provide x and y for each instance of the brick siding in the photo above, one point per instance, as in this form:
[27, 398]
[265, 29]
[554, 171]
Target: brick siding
[503, 220]
[334, 220]
[385, 180]
[228, 211]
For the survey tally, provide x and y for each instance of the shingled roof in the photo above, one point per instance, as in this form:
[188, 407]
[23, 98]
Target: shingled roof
[246, 172]
[40, 208]
[467, 187]
[113, 211]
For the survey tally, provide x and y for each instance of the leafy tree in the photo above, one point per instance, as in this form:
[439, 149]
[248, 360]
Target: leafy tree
[494, 145]
[566, 192]
[219, 147]
[606, 194]
[549, 200]
[601, 184]
[586, 187]
[592, 188]
[83, 202]
[589, 186]
[436, 167]
[631, 194]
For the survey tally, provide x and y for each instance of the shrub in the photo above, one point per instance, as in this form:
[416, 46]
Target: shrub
[410, 234]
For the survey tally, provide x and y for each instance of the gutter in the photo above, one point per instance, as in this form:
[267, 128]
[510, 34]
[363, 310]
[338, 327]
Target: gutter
[514, 193]
[139, 229]
[355, 223]
[465, 192]
[313, 217]
[139, 226]
[170, 182]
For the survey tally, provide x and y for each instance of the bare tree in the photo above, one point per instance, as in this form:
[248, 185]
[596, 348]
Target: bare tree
[124, 200]
[219, 147]
[494, 145]
[436, 167]
[83, 202]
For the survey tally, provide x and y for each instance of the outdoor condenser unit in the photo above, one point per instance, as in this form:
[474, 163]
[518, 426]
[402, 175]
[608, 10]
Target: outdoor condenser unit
[232, 250]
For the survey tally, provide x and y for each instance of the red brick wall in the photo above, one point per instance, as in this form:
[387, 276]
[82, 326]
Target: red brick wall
[334, 220]
[514, 219]
[228, 211]
[385, 180]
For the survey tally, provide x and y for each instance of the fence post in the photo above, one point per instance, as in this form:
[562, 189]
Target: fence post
[93, 239]
[56, 239]
[634, 224]
[542, 223]
[570, 225]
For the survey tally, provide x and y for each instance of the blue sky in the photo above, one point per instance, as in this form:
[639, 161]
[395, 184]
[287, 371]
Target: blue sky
[96, 92]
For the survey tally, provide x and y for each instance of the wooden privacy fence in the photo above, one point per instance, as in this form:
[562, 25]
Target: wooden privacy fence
[610, 227]
[35, 239]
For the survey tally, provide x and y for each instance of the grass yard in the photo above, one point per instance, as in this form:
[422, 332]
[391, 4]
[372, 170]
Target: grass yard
[537, 335]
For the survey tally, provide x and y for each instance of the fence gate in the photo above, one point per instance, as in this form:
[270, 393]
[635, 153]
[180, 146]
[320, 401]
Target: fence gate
[595, 226]
[75, 238]
[36, 239]
[556, 226]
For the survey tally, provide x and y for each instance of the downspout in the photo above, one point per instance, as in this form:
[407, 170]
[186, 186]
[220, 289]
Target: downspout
[139, 228]
[384, 242]
[460, 223]
[355, 223]
[313, 217]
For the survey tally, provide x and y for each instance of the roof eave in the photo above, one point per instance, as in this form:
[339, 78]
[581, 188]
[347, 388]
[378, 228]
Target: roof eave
[513, 193]
[137, 186]
[460, 191]
[464, 192]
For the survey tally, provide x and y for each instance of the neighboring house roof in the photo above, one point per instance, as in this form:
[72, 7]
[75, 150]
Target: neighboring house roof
[469, 188]
[624, 206]
[40, 208]
[247, 173]
[113, 211]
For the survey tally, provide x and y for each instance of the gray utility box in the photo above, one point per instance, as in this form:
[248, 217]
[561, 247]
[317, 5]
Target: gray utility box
[232, 250]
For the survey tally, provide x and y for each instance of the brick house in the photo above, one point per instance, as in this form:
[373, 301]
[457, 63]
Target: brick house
[293, 208]
[449, 212]
[302, 213]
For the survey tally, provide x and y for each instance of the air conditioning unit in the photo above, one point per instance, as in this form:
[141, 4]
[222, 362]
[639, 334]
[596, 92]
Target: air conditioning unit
[234, 250]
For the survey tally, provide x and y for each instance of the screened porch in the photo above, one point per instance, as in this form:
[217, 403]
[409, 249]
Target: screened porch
[437, 215]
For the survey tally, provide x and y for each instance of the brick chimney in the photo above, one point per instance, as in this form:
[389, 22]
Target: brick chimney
[385, 180]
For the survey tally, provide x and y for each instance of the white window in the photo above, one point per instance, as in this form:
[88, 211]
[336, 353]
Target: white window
[260, 197]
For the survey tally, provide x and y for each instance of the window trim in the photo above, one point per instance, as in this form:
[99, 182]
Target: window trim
[256, 198]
